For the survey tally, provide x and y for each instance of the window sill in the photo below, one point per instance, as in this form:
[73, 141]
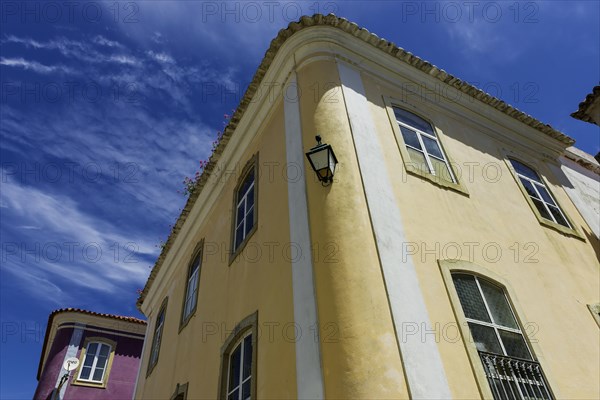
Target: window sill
[457, 187]
[560, 228]
[99, 385]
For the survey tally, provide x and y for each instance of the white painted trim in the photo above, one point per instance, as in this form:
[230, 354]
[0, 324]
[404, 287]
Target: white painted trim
[309, 376]
[71, 352]
[139, 373]
[421, 358]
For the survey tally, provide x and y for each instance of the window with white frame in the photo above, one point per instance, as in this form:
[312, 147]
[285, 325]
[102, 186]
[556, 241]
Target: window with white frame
[239, 376]
[95, 363]
[508, 363]
[157, 339]
[244, 209]
[191, 290]
[539, 194]
[491, 320]
[423, 145]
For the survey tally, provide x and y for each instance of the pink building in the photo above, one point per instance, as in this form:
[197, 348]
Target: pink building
[108, 348]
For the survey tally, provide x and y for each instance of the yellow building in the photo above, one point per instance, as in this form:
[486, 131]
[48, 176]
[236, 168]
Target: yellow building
[445, 260]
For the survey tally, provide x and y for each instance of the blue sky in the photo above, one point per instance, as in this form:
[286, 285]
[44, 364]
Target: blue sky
[107, 106]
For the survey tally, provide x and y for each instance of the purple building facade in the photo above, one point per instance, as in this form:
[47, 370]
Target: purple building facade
[108, 347]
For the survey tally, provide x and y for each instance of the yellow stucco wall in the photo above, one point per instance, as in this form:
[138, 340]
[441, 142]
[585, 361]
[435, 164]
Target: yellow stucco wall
[553, 276]
[550, 276]
[229, 293]
[361, 358]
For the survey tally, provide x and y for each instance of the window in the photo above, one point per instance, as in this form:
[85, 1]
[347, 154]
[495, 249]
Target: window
[238, 369]
[244, 207]
[539, 194]
[180, 392]
[157, 339]
[595, 310]
[239, 376]
[422, 145]
[509, 366]
[95, 361]
[192, 284]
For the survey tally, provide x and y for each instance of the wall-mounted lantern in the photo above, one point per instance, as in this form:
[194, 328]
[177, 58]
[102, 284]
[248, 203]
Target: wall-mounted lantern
[323, 161]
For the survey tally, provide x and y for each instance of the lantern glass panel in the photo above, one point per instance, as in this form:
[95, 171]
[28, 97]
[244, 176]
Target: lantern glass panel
[319, 159]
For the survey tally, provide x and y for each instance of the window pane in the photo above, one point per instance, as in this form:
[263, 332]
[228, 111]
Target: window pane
[247, 356]
[104, 350]
[234, 368]
[234, 395]
[410, 137]
[98, 372]
[92, 349]
[514, 344]
[529, 188]
[417, 161]
[545, 195]
[246, 390]
[485, 338]
[413, 120]
[239, 236]
[525, 170]
[195, 266]
[470, 298]
[249, 221]
[432, 147]
[499, 307]
[542, 209]
[85, 372]
[241, 210]
[89, 358]
[441, 169]
[558, 216]
[247, 182]
[250, 198]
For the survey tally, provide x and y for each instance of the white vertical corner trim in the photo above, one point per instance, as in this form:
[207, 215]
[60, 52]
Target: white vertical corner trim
[309, 376]
[139, 373]
[421, 358]
[71, 352]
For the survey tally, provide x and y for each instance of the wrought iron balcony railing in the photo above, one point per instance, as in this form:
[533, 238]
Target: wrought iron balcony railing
[515, 378]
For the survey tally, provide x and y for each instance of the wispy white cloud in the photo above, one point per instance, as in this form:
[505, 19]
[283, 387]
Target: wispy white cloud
[160, 57]
[102, 41]
[35, 66]
[79, 50]
[67, 231]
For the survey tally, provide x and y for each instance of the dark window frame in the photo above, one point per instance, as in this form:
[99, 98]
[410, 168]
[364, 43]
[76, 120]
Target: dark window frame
[162, 309]
[247, 325]
[197, 256]
[180, 392]
[251, 165]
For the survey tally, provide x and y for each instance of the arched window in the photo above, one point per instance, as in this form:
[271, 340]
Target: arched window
[423, 145]
[245, 213]
[539, 194]
[239, 376]
[238, 358]
[157, 338]
[507, 360]
[190, 299]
